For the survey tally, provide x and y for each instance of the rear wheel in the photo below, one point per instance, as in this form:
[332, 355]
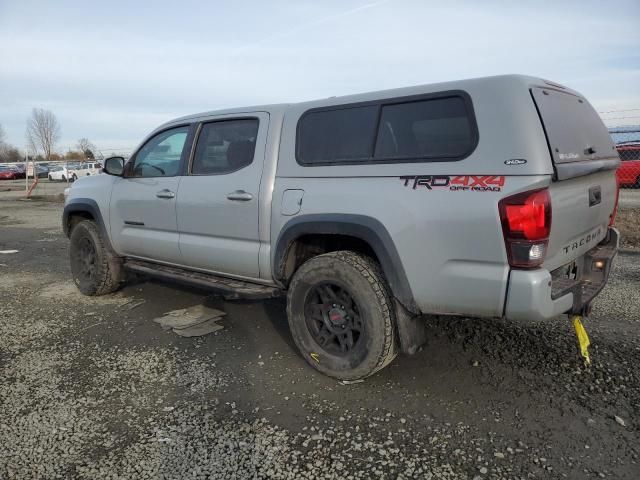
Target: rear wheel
[50, 178]
[95, 270]
[75, 177]
[341, 315]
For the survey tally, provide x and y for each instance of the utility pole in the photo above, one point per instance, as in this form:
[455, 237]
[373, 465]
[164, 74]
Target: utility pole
[26, 169]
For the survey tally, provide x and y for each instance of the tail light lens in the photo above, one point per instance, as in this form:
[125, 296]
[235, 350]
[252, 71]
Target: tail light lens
[526, 224]
[612, 217]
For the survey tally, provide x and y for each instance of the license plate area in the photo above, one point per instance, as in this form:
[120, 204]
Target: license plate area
[565, 278]
[570, 271]
[585, 276]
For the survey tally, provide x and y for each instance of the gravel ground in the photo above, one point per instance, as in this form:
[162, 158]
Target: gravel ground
[628, 221]
[93, 388]
[629, 198]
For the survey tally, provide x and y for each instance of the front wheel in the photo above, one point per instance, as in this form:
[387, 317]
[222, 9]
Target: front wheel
[341, 315]
[75, 177]
[95, 270]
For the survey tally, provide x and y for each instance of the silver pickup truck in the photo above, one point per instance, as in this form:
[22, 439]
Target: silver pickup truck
[491, 197]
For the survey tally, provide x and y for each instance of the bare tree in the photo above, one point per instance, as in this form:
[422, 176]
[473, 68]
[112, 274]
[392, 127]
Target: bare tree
[43, 131]
[10, 154]
[87, 148]
[4, 147]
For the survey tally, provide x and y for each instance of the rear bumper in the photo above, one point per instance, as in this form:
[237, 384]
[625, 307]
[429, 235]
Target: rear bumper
[540, 294]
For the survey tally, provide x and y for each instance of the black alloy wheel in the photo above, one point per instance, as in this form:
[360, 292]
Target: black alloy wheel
[85, 259]
[341, 314]
[95, 268]
[333, 318]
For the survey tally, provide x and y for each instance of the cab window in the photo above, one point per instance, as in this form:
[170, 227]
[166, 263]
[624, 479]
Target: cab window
[160, 156]
[225, 146]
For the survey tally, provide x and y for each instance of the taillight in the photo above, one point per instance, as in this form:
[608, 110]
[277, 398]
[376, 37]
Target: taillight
[526, 224]
[612, 217]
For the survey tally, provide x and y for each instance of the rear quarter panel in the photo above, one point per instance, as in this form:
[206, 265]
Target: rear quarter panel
[449, 241]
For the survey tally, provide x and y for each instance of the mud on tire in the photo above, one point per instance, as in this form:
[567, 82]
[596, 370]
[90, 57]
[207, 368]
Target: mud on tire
[341, 315]
[95, 270]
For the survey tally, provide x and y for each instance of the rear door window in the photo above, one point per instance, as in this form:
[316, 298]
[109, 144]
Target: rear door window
[225, 146]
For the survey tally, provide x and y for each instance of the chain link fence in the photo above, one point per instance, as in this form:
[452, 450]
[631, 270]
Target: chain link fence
[627, 140]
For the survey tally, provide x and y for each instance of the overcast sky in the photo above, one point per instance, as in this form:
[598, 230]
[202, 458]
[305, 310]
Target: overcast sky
[112, 71]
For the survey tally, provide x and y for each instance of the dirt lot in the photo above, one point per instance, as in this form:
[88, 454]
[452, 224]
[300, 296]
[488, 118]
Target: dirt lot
[16, 188]
[93, 388]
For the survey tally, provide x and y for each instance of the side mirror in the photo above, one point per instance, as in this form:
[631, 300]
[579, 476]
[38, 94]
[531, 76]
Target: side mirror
[114, 166]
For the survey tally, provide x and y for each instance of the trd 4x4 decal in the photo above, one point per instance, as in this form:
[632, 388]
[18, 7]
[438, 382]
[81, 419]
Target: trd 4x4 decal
[475, 183]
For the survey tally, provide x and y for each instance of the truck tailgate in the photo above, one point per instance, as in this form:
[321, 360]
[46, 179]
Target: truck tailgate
[579, 221]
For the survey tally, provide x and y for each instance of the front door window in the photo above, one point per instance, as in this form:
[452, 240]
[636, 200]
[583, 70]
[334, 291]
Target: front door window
[160, 156]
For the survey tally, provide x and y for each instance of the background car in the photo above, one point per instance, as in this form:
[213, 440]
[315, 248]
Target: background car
[85, 170]
[628, 173]
[42, 171]
[10, 173]
[62, 172]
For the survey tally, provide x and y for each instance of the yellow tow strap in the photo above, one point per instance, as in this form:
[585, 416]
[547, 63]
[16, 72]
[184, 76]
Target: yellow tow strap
[583, 339]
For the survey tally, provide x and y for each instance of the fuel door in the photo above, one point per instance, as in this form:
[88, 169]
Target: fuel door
[291, 202]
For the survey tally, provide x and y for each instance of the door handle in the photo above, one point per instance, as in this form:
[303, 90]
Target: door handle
[165, 194]
[240, 195]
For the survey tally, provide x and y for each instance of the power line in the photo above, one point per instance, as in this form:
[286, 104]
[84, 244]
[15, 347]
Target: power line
[621, 118]
[626, 110]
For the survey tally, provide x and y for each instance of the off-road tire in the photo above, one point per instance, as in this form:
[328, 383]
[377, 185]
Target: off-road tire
[107, 268]
[365, 282]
